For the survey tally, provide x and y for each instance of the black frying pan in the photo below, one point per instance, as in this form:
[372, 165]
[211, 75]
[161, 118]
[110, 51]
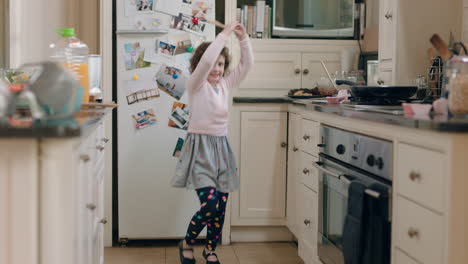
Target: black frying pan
[390, 92]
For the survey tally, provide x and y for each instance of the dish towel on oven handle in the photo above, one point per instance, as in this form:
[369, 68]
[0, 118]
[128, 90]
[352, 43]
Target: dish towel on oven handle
[377, 236]
[354, 224]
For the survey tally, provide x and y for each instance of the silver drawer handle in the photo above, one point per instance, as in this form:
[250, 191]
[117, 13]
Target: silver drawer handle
[91, 206]
[388, 15]
[100, 148]
[297, 71]
[103, 221]
[295, 149]
[104, 139]
[415, 176]
[306, 137]
[413, 232]
[380, 82]
[306, 222]
[305, 72]
[84, 157]
[305, 171]
[283, 144]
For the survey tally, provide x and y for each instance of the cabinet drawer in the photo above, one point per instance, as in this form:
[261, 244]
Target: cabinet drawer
[310, 137]
[419, 232]
[308, 223]
[421, 175]
[402, 258]
[308, 173]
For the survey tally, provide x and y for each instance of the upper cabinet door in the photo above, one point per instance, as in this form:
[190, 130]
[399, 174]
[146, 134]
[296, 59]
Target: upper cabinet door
[387, 29]
[312, 69]
[274, 70]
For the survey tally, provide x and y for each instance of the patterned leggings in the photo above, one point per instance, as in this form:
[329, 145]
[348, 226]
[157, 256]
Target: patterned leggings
[211, 214]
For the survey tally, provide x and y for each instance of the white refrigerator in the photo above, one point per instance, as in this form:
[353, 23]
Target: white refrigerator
[152, 54]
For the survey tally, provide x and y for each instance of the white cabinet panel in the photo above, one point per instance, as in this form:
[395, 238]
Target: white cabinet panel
[419, 231]
[310, 137]
[292, 178]
[308, 224]
[263, 167]
[312, 69]
[274, 70]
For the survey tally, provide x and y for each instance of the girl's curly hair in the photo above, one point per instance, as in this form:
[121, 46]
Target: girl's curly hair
[201, 50]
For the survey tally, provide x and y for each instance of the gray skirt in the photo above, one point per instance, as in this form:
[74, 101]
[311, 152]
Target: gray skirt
[206, 161]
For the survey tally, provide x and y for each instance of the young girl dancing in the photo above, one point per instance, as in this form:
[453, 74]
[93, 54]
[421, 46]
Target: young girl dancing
[207, 163]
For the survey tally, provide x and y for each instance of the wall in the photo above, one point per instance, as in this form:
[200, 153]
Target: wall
[2, 33]
[32, 25]
[465, 21]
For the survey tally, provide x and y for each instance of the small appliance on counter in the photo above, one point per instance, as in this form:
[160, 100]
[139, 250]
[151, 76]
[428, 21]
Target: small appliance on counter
[52, 92]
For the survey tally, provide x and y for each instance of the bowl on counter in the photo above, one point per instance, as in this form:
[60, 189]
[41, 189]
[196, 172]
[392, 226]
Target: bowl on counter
[416, 109]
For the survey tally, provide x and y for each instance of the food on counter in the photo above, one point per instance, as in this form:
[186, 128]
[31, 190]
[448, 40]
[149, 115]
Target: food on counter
[304, 92]
[458, 97]
[16, 79]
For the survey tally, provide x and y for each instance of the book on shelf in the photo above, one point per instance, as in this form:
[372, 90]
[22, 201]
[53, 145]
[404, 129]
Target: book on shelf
[256, 19]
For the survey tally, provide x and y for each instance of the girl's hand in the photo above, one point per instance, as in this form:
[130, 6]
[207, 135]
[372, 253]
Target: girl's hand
[240, 31]
[229, 28]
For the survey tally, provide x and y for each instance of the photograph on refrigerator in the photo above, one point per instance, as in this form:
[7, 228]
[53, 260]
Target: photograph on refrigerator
[178, 147]
[148, 23]
[179, 116]
[171, 80]
[183, 43]
[144, 119]
[165, 49]
[134, 7]
[134, 56]
[140, 90]
[180, 21]
[203, 10]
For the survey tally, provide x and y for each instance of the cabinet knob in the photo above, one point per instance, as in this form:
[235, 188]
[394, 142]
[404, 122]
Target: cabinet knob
[413, 232]
[305, 171]
[104, 139]
[306, 222]
[414, 176]
[100, 148]
[306, 137]
[297, 71]
[388, 15]
[283, 144]
[295, 149]
[305, 72]
[84, 157]
[103, 221]
[380, 82]
[91, 206]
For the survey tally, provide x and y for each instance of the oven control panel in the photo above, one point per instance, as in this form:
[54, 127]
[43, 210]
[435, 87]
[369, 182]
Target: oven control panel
[368, 153]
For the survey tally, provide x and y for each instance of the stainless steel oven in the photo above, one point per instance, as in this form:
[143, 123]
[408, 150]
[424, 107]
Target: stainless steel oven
[346, 157]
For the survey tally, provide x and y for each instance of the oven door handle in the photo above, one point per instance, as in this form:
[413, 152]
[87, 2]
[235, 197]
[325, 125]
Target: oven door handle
[318, 166]
[367, 191]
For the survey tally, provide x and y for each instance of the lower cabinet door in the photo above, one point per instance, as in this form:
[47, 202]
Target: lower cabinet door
[263, 150]
[308, 224]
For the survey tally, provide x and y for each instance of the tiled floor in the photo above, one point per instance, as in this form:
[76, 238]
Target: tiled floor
[236, 253]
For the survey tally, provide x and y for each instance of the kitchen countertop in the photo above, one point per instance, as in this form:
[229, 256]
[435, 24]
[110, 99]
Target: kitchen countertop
[79, 125]
[442, 123]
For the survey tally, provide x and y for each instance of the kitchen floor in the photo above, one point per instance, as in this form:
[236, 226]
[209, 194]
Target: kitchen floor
[236, 253]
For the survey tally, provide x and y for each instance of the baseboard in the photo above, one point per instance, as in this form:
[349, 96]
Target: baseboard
[261, 234]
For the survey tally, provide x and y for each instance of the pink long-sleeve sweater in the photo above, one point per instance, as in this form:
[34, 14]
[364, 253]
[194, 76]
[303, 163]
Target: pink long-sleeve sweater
[208, 104]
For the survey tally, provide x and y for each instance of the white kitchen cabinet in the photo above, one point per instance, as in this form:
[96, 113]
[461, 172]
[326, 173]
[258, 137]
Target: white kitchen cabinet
[262, 161]
[386, 30]
[405, 28]
[275, 70]
[62, 209]
[310, 137]
[294, 162]
[308, 220]
[289, 70]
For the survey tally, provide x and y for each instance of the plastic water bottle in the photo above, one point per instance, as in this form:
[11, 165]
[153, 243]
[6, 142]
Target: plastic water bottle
[73, 53]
